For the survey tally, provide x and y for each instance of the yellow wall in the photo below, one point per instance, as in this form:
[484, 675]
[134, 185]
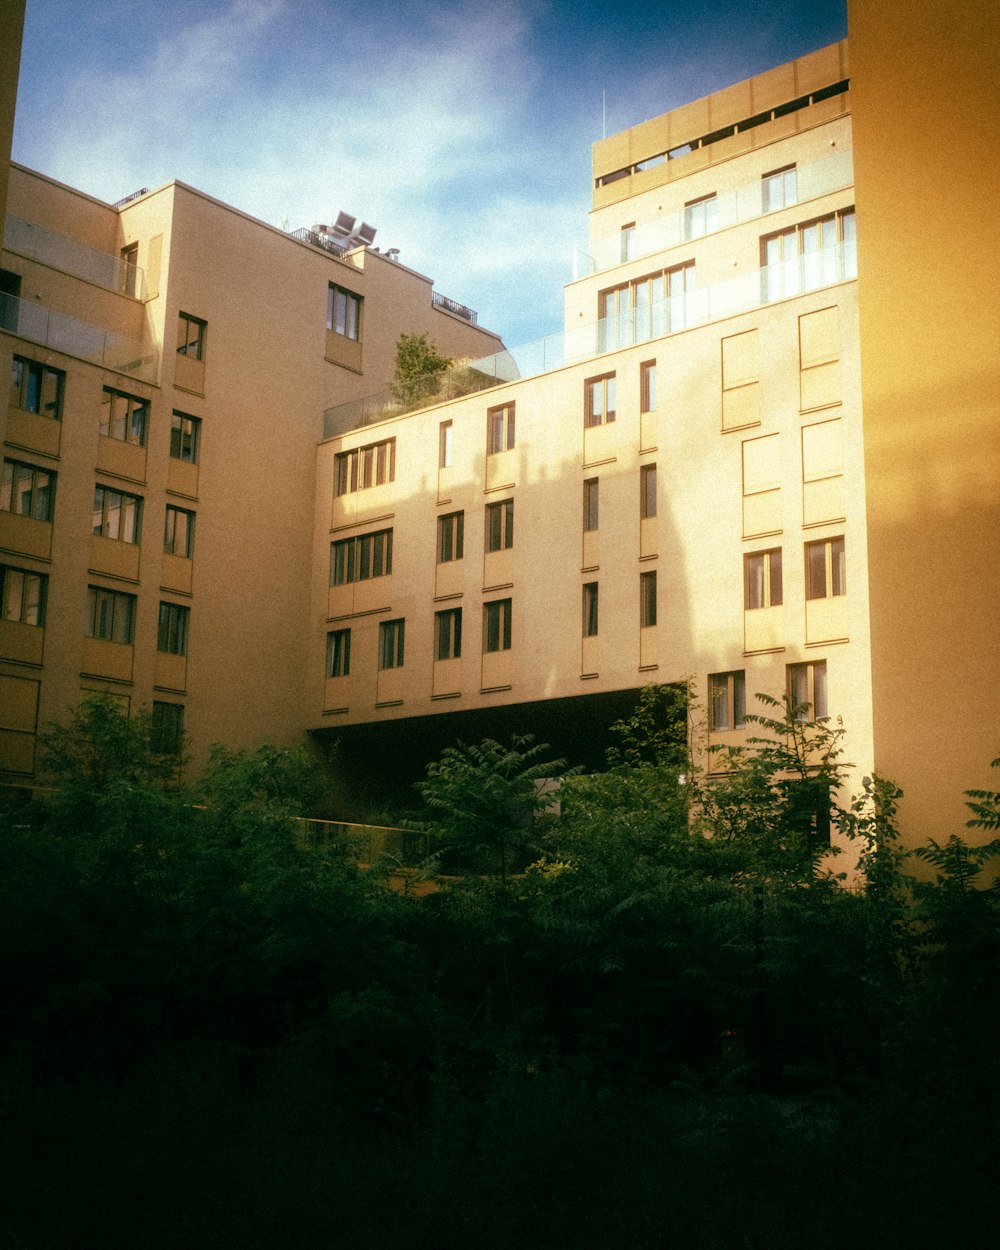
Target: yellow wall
[11, 31]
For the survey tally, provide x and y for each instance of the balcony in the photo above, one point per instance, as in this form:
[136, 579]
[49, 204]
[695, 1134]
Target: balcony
[33, 321]
[59, 252]
[769, 284]
[453, 306]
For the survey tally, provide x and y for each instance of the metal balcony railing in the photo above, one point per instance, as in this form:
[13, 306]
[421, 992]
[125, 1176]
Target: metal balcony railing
[67, 255]
[46, 326]
[453, 306]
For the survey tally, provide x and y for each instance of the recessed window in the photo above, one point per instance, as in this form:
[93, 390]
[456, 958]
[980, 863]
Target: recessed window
[167, 728]
[600, 402]
[191, 336]
[451, 537]
[826, 569]
[808, 256]
[185, 437]
[647, 491]
[117, 515]
[361, 558]
[762, 581]
[110, 615]
[364, 467]
[780, 189]
[22, 595]
[500, 429]
[500, 525]
[448, 634]
[591, 621]
[343, 312]
[647, 386]
[27, 490]
[628, 241]
[391, 644]
[497, 625]
[35, 387]
[338, 653]
[699, 217]
[172, 630]
[124, 417]
[647, 599]
[806, 684]
[591, 504]
[178, 532]
[128, 277]
[445, 433]
[727, 701]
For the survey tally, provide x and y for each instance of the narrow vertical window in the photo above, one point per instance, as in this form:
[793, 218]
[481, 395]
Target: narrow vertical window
[826, 571]
[191, 334]
[448, 634]
[806, 685]
[628, 241]
[391, 638]
[647, 599]
[338, 653]
[647, 491]
[497, 625]
[591, 500]
[500, 429]
[172, 631]
[500, 525]
[727, 701]
[451, 537]
[762, 580]
[590, 610]
[185, 436]
[599, 401]
[445, 432]
[647, 386]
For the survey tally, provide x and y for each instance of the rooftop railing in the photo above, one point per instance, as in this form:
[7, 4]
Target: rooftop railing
[33, 321]
[453, 306]
[318, 240]
[59, 252]
[761, 286]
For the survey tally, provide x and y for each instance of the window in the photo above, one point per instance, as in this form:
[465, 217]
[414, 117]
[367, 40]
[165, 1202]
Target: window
[124, 417]
[500, 425]
[807, 690]
[23, 595]
[185, 437]
[600, 400]
[628, 241]
[451, 537]
[445, 445]
[647, 491]
[699, 217]
[647, 308]
[826, 571]
[117, 515]
[338, 653]
[500, 525]
[167, 728]
[591, 502]
[390, 644]
[808, 256]
[647, 386]
[364, 467]
[129, 276]
[110, 615]
[448, 634]
[496, 625]
[178, 533]
[762, 579]
[343, 312]
[727, 701]
[779, 188]
[590, 610]
[191, 336]
[362, 558]
[172, 632]
[35, 387]
[27, 490]
[647, 599]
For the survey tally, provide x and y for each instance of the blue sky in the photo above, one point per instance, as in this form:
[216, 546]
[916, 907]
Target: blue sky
[461, 130]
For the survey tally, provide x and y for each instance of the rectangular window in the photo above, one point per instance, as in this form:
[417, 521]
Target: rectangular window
[185, 436]
[191, 334]
[365, 467]
[129, 273]
[167, 728]
[362, 558]
[27, 490]
[117, 515]
[178, 532]
[500, 428]
[727, 701]
[124, 417]
[110, 615]
[806, 685]
[647, 491]
[343, 312]
[762, 586]
[445, 445]
[338, 653]
[600, 400]
[35, 387]
[451, 537]
[590, 610]
[647, 386]
[647, 599]
[591, 503]
[172, 631]
[448, 634]
[500, 525]
[628, 241]
[496, 625]
[699, 217]
[808, 256]
[23, 595]
[826, 570]
[779, 189]
[390, 644]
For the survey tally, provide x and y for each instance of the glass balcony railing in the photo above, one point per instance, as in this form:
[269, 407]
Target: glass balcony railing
[33, 321]
[760, 286]
[59, 252]
[730, 208]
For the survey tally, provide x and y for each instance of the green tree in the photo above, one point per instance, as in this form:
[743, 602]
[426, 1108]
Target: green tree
[419, 366]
